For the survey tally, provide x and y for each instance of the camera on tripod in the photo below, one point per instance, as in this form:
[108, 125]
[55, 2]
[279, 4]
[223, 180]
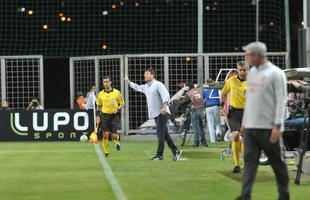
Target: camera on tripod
[302, 88]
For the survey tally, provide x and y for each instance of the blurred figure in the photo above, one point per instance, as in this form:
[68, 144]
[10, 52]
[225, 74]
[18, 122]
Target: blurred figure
[198, 114]
[110, 103]
[236, 88]
[158, 98]
[263, 120]
[212, 101]
[80, 101]
[34, 104]
[91, 98]
[5, 105]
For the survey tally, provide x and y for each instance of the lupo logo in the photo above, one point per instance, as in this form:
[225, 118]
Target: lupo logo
[51, 123]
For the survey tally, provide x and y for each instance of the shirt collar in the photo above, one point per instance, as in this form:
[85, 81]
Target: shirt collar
[107, 91]
[151, 82]
[264, 66]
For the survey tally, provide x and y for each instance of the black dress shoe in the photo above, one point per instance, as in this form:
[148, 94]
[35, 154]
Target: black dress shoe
[157, 158]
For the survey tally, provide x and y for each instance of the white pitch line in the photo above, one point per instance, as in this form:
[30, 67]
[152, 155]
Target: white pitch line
[117, 190]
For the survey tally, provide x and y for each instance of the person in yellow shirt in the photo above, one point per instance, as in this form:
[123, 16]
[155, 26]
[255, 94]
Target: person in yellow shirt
[109, 104]
[236, 88]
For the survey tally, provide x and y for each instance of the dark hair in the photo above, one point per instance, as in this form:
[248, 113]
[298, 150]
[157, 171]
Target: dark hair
[79, 93]
[151, 70]
[191, 85]
[241, 63]
[35, 98]
[210, 80]
[107, 77]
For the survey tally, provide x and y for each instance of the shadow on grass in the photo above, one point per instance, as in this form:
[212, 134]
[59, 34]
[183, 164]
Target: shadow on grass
[260, 176]
[200, 155]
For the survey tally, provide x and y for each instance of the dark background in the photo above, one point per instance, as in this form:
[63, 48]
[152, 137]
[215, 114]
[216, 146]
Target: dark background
[163, 26]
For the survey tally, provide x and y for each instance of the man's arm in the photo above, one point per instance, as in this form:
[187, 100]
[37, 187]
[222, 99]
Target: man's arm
[99, 104]
[136, 87]
[305, 88]
[280, 95]
[280, 89]
[165, 96]
[225, 91]
[121, 102]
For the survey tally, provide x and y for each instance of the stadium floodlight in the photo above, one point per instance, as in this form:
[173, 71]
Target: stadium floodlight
[22, 9]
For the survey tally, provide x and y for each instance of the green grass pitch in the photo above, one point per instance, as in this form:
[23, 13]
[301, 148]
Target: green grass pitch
[72, 170]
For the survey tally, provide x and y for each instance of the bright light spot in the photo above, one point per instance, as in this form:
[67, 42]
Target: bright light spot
[30, 12]
[69, 19]
[105, 12]
[113, 6]
[271, 23]
[236, 49]
[104, 46]
[22, 9]
[137, 4]
[188, 59]
[63, 19]
[60, 14]
[121, 3]
[45, 26]
[207, 7]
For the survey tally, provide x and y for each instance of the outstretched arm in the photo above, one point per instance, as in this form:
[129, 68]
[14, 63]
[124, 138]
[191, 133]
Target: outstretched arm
[136, 87]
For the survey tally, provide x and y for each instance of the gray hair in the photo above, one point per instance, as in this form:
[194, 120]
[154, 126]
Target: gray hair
[256, 47]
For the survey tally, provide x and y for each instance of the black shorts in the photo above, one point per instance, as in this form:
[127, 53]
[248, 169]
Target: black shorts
[109, 122]
[235, 119]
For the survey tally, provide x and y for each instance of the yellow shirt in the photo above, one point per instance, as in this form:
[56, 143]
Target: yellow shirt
[110, 101]
[236, 89]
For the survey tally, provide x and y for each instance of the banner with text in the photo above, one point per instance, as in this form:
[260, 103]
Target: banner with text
[45, 125]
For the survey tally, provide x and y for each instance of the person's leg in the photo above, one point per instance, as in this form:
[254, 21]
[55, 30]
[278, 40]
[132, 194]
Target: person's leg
[251, 160]
[201, 115]
[275, 156]
[235, 120]
[105, 143]
[168, 139]
[114, 127]
[210, 123]
[236, 147]
[195, 126]
[105, 127]
[299, 122]
[160, 130]
[217, 120]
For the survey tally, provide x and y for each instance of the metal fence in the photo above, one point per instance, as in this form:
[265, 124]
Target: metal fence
[21, 80]
[171, 69]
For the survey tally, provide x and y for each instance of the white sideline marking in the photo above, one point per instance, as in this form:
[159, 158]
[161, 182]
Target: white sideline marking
[117, 190]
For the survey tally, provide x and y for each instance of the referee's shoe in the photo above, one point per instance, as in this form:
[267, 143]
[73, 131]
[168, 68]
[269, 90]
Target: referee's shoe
[118, 146]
